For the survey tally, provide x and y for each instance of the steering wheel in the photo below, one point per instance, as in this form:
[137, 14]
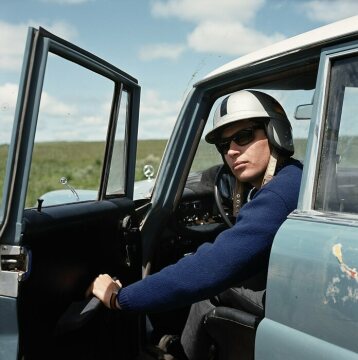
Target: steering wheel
[224, 187]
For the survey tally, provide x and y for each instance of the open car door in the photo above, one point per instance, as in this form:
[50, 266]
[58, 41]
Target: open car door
[56, 238]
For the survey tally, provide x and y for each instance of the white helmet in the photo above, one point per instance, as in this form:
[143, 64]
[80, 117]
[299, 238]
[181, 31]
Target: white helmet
[252, 104]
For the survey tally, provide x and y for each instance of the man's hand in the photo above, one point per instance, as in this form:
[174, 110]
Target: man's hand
[103, 288]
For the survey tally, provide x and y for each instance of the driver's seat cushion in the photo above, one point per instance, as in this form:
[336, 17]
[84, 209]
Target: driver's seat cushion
[248, 300]
[233, 332]
[232, 324]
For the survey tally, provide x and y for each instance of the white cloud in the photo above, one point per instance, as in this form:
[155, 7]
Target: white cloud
[8, 96]
[54, 107]
[13, 39]
[59, 28]
[161, 51]
[229, 38]
[153, 105]
[159, 128]
[157, 116]
[329, 10]
[61, 121]
[94, 120]
[199, 10]
[220, 27]
[12, 44]
[70, 126]
[51, 109]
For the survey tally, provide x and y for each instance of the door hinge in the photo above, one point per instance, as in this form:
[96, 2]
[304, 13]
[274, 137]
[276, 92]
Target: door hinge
[14, 267]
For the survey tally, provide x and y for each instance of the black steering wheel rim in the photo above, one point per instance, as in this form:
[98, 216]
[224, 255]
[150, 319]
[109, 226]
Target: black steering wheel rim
[223, 192]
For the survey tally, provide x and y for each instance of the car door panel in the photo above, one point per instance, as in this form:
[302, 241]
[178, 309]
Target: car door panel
[69, 246]
[8, 328]
[51, 254]
[317, 294]
[312, 289]
[297, 345]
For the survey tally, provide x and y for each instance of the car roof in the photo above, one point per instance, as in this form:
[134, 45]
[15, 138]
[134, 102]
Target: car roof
[322, 36]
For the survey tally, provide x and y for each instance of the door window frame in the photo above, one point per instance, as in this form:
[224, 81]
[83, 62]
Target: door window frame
[316, 133]
[39, 44]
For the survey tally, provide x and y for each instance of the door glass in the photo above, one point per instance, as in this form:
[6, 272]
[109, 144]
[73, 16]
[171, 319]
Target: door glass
[70, 136]
[117, 168]
[337, 188]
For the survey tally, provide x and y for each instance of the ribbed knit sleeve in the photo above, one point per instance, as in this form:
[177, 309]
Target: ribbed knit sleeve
[235, 255]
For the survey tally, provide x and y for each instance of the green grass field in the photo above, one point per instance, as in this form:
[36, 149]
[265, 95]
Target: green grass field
[81, 163]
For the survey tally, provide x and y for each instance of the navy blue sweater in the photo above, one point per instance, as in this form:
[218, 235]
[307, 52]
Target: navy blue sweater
[235, 255]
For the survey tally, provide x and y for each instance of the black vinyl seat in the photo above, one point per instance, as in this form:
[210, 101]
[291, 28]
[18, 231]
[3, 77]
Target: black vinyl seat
[233, 326]
[233, 332]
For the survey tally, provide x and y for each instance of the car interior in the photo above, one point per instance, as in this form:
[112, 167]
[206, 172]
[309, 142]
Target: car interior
[205, 209]
[58, 321]
[69, 244]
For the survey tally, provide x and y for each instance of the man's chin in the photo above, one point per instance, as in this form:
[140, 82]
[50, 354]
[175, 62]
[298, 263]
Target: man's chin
[246, 178]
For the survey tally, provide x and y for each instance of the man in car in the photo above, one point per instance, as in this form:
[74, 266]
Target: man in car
[252, 133]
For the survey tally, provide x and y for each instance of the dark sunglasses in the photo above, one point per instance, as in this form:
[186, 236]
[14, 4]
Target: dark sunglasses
[241, 138]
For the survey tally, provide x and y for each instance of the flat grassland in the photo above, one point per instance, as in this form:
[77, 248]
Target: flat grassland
[81, 163]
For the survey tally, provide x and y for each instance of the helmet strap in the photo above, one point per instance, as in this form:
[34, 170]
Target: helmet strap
[269, 174]
[238, 195]
[271, 167]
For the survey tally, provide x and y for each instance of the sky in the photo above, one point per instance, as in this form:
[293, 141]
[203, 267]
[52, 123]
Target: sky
[167, 45]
